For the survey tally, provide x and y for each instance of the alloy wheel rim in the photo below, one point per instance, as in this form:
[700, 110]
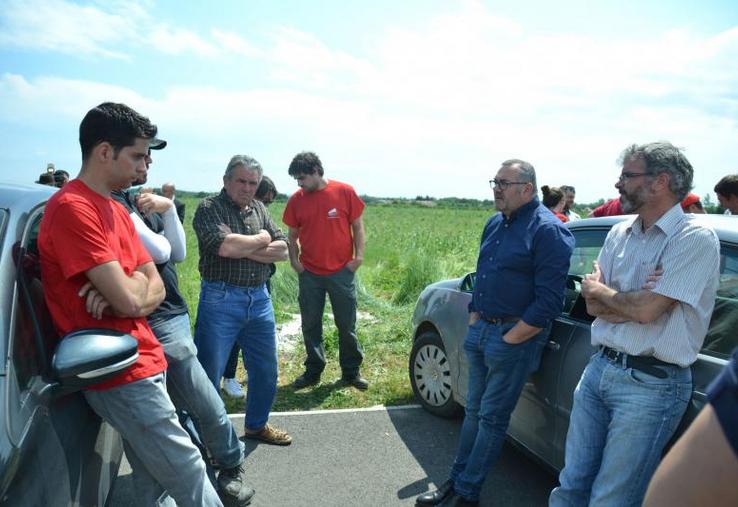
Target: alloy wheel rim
[432, 375]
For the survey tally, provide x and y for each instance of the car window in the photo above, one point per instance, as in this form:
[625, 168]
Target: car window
[587, 246]
[32, 339]
[722, 335]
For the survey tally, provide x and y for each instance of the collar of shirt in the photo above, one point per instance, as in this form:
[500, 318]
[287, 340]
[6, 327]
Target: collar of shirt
[524, 212]
[669, 223]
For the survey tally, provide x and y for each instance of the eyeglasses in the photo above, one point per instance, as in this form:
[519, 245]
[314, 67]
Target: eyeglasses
[628, 175]
[504, 184]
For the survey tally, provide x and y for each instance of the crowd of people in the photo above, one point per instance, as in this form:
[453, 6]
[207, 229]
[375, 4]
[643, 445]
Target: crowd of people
[109, 253]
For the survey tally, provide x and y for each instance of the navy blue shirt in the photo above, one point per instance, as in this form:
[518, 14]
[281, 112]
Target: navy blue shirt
[522, 266]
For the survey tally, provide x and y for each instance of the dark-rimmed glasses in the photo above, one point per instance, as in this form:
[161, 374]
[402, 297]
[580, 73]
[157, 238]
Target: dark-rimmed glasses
[628, 175]
[504, 184]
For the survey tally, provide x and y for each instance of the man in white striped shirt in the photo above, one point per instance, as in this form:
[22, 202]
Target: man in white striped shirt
[652, 291]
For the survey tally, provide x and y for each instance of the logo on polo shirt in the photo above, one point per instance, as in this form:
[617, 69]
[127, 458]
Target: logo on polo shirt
[333, 213]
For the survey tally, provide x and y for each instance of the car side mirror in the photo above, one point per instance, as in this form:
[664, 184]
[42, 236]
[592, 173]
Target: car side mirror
[90, 356]
[467, 284]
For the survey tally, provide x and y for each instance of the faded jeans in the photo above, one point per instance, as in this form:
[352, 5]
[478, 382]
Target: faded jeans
[620, 422]
[191, 390]
[228, 314]
[497, 373]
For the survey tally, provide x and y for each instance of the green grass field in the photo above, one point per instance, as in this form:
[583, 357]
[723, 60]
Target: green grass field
[407, 248]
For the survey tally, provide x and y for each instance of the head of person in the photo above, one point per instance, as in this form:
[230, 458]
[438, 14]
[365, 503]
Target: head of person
[307, 169]
[241, 179]
[553, 198]
[167, 190]
[61, 178]
[267, 191]
[692, 204]
[116, 140]
[727, 193]
[514, 185]
[569, 194]
[653, 173]
[46, 179]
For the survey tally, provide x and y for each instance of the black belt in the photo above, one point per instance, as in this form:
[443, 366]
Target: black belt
[646, 364]
[499, 320]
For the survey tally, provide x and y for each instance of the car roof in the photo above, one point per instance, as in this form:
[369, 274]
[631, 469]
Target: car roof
[725, 226]
[24, 196]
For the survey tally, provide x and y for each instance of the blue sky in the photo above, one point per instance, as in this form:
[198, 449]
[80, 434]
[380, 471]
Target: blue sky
[398, 98]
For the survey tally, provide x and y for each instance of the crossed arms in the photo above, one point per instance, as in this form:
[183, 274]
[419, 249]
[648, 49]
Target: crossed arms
[640, 306]
[257, 247]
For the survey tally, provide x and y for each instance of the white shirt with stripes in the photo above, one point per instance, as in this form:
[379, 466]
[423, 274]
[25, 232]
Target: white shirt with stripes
[688, 251]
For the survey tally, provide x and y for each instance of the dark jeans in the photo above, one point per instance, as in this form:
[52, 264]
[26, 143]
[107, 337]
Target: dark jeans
[342, 293]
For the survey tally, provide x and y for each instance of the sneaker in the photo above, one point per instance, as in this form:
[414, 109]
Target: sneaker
[233, 388]
[232, 489]
[270, 435]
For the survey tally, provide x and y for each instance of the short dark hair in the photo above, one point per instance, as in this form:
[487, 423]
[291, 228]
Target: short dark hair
[305, 162]
[551, 196]
[266, 186]
[727, 186]
[113, 123]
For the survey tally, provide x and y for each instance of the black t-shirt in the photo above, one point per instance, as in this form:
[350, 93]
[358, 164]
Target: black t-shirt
[173, 304]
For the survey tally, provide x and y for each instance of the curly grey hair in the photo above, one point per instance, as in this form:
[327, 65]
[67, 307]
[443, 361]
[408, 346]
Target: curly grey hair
[663, 157]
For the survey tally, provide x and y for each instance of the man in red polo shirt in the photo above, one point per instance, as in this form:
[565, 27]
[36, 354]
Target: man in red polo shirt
[97, 273]
[325, 216]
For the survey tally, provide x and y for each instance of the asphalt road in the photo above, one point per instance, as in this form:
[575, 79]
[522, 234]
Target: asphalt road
[369, 457]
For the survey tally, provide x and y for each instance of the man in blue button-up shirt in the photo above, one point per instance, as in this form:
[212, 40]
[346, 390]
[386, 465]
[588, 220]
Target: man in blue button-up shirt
[521, 276]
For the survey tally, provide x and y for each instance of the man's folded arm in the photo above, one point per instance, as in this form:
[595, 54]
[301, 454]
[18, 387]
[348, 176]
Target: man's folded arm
[129, 296]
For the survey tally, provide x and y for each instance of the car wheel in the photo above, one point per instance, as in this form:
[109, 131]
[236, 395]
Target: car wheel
[430, 375]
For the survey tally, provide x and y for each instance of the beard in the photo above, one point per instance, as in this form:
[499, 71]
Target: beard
[631, 202]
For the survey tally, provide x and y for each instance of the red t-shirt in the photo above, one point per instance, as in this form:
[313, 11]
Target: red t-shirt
[609, 209]
[324, 220]
[80, 230]
[561, 217]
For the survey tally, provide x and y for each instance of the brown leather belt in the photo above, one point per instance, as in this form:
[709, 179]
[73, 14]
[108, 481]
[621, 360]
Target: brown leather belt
[646, 364]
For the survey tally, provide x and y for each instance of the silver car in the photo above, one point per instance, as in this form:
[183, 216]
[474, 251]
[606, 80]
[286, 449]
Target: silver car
[54, 450]
[438, 368]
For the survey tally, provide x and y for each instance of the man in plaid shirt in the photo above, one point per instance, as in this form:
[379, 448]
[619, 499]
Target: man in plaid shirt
[238, 240]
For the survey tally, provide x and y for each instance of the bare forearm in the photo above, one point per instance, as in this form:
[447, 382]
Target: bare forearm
[359, 238]
[640, 306]
[276, 251]
[597, 309]
[238, 246]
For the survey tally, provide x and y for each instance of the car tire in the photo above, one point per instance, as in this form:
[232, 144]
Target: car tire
[430, 376]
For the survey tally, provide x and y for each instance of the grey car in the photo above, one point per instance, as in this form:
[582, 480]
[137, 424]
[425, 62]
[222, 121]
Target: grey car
[54, 450]
[438, 368]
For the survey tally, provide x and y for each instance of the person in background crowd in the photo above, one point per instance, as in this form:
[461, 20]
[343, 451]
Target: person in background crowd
[326, 234]
[727, 193]
[161, 232]
[702, 467]
[652, 290]
[692, 204]
[238, 242]
[61, 178]
[266, 193]
[97, 274]
[553, 199]
[167, 190]
[609, 209]
[569, 195]
[507, 328]
[46, 179]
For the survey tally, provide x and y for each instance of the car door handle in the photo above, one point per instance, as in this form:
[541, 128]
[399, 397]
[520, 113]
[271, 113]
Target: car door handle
[553, 345]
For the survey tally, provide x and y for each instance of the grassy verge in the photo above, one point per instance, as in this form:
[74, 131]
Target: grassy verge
[408, 247]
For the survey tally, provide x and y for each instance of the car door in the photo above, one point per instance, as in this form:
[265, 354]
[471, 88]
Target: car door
[59, 453]
[575, 346]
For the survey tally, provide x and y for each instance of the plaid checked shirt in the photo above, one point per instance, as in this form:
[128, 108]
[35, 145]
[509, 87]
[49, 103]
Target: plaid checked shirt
[220, 209]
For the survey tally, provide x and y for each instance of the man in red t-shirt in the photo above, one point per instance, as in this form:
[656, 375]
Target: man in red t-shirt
[325, 217]
[97, 273]
[609, 209]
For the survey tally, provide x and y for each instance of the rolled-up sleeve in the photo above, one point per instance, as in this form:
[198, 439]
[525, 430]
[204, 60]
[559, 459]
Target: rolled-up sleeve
[552, 248]
[206, 224]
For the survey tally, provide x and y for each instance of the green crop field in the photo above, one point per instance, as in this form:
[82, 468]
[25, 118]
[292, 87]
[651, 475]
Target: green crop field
[408, 247]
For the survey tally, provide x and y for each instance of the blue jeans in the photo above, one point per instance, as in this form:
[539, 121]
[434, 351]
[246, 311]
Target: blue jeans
[190, 390]
[620, 422]
[228, 314]
[497, 374]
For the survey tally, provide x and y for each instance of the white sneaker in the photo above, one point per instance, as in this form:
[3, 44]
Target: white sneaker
[233, 388]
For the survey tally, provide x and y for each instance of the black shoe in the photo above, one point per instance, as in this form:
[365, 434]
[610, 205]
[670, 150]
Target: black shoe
[305, 380]
[444, 491]
[232, 489]
[356, 381]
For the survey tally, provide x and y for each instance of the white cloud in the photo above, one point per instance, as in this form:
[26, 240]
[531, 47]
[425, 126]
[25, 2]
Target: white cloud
[177, 41]
[234, 43]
